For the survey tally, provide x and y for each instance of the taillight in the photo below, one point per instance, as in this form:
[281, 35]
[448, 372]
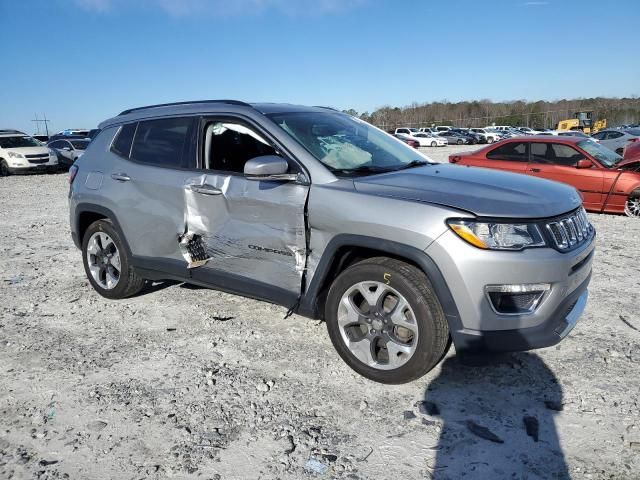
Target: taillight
[454, 158]
[73, 171]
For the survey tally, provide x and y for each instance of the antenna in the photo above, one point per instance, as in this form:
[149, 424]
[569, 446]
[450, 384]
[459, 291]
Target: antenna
[43, 120]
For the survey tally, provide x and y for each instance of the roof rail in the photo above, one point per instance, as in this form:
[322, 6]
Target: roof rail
[229, 102]
[326, 108]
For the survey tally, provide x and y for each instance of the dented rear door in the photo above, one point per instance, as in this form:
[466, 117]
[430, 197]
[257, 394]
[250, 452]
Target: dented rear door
[250, 230]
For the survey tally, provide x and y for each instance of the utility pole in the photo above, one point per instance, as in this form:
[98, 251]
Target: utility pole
[43, 120]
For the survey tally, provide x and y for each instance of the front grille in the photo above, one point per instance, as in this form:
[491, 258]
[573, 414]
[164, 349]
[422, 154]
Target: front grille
[38, 160]
[570, 231]
[38, 156]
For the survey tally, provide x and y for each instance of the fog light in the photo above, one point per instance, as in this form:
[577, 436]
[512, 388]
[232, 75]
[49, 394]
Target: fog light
[516, 299]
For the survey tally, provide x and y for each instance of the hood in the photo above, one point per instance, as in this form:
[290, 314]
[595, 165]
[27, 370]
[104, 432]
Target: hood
[629, 163]
[481, 191]
[28, 150]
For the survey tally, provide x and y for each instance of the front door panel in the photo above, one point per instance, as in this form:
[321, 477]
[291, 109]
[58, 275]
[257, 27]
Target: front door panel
[248, 228]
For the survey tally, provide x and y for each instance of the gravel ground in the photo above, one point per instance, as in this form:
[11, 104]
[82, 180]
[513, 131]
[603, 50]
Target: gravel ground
[185, 382]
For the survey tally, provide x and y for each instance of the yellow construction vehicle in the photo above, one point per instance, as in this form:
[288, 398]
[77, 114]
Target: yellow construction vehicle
[582, 121]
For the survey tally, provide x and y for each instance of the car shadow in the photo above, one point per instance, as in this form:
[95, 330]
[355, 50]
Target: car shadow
[497, 418]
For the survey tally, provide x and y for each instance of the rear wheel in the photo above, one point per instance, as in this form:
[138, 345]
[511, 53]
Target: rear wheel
[460, 141]
[632, 205]
[107, 263]
[433, 144]
[385, 320]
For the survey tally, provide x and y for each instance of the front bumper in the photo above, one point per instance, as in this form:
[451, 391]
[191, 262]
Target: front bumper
[468, 270]
[549, 333]
[17, 165]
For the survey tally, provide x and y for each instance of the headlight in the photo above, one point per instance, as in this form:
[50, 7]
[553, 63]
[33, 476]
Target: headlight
[498, 236]
[52, 152]
[15, 155]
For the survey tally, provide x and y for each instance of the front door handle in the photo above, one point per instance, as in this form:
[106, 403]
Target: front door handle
[536, 170]
[121, 177]
[205, 189]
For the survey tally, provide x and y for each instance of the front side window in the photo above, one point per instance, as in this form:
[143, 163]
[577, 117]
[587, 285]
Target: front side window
[599, 135]
[163, 142]
[346, 145]
[514, 152]
[612, 135]
[80, 144]
[228, 146]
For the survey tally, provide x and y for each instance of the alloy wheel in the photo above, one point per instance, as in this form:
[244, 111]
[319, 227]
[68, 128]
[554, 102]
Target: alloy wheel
[103, 259]
[632, 207]
[377, 324]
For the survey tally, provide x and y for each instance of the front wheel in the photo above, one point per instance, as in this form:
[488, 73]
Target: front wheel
[107, 263]
[433, 144]
[385, 320]
[4, 168]
[460, 141]
[632, 205]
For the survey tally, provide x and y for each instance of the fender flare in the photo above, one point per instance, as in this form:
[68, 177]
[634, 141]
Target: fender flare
[308, 302]
[99, 209]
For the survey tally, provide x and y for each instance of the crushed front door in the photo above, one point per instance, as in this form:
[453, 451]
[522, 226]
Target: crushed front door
[250, 228]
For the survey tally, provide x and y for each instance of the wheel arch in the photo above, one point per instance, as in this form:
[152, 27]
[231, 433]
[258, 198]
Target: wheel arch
[346, 249]
[87, 213]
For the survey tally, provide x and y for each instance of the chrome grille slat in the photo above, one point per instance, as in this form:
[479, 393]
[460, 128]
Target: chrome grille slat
[570, 231]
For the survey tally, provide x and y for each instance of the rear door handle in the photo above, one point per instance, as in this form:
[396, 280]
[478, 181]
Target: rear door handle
[121, 177]
[536, 170]
[205, 189]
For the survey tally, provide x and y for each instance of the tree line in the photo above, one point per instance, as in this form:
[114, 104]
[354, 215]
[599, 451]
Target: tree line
[481, 113]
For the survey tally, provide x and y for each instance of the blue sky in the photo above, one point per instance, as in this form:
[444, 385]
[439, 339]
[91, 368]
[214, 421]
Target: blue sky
[81, 61]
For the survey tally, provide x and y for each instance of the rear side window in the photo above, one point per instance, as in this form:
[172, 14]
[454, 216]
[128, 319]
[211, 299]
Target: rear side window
[163, 142]
[513, 151]
[122, 143]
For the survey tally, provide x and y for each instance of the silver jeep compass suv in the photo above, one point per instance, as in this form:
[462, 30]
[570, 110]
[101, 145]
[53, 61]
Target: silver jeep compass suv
[332, 218]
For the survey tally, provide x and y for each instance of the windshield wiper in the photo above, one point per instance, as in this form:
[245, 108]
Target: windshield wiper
[414, 163]
[363, 169]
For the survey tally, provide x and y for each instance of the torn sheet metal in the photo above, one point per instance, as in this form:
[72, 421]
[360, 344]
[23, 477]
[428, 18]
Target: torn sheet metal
[193, 249]
[254, 229]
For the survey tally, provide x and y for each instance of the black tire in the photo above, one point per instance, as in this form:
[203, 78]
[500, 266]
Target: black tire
[4, 168]
[433, 332]
[460, 141]
[129, 282]
[632, 205]
[434, 144]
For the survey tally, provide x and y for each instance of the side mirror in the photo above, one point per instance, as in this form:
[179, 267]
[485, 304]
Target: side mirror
[584, 163]
[268, 167]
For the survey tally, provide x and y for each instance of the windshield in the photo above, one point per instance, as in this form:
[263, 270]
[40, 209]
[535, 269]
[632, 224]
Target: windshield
[605, 156]
[80, 144]
[347, 145]
[19, 142]
[634, 131]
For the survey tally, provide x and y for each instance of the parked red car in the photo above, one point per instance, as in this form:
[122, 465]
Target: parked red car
[631, 154]
[604, 181]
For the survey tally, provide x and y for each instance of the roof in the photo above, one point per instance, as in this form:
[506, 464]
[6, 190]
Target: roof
[205, 106]
[11, 132]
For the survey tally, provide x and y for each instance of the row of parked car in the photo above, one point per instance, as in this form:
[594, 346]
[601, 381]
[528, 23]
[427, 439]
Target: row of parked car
[613, 138]
[20, 152]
